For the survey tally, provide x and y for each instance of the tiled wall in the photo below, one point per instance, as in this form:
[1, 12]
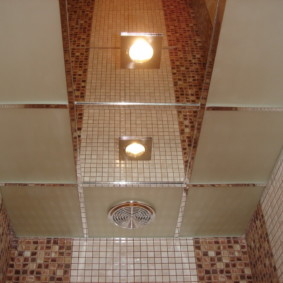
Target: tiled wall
[133, 260]
[40, 260]
[264, 236]
[272, 208]
[130, 260]
[5, 240]
[222, 260]
[260, 252]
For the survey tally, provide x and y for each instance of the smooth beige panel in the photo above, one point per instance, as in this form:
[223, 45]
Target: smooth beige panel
[249, 63]
[43, 211]
[165, 201]
[238, 147]
[36, 146]
[32, 61]
[219, 211]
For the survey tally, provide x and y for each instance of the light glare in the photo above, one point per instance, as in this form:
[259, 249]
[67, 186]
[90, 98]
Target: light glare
[135, 149]
[141, 51]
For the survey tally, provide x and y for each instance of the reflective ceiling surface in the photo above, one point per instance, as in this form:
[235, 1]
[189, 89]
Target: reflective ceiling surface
[216, 126]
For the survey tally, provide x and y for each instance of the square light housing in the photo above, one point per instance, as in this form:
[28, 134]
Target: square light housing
[145, 143]
[154, 40]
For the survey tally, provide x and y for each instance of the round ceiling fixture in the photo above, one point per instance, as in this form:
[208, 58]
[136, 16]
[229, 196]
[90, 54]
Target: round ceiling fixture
[141, 51]
[131, 214]
[135, 150]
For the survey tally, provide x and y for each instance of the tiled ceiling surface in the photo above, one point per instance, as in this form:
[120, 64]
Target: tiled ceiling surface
[165, 201]
[43, 210]
[99, 152]
[32, 63]
[107, 82]
[112, 17]
[249, 63]
[36, 146]
[238, 146]
[212, 211]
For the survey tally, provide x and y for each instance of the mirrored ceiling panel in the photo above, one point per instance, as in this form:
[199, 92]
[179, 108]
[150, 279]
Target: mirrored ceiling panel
[32, 62]
[49, 211]
[106, 132]
[108, 82]
[36, 146]
[98, 72]
[237, 147]
[219, 211]
[249, 63]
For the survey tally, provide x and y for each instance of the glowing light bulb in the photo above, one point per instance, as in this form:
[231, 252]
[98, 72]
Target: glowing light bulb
[135, 149]
[141, 51]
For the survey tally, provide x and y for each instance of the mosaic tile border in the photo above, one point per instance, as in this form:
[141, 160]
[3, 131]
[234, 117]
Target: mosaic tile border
[40, 260]
[187, 71]
[222, 260]
[6, 238]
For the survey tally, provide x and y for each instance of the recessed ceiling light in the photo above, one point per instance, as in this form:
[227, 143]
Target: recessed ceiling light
[135, 148]
[140, 50]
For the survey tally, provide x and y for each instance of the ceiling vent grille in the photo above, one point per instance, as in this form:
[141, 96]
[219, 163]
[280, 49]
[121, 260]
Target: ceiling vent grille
[131, 214]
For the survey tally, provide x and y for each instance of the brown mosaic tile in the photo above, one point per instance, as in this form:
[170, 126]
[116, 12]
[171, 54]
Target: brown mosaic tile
[76, 21]
[210, 42]
[80, 21]
[5, 241]
[187, 63]
[261, 257]
[40, 260]
[67, 59]
[222, 260]
[188, 57]
[204, 24]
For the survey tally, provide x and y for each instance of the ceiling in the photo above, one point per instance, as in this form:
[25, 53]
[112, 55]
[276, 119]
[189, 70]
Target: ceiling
[213, 147]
